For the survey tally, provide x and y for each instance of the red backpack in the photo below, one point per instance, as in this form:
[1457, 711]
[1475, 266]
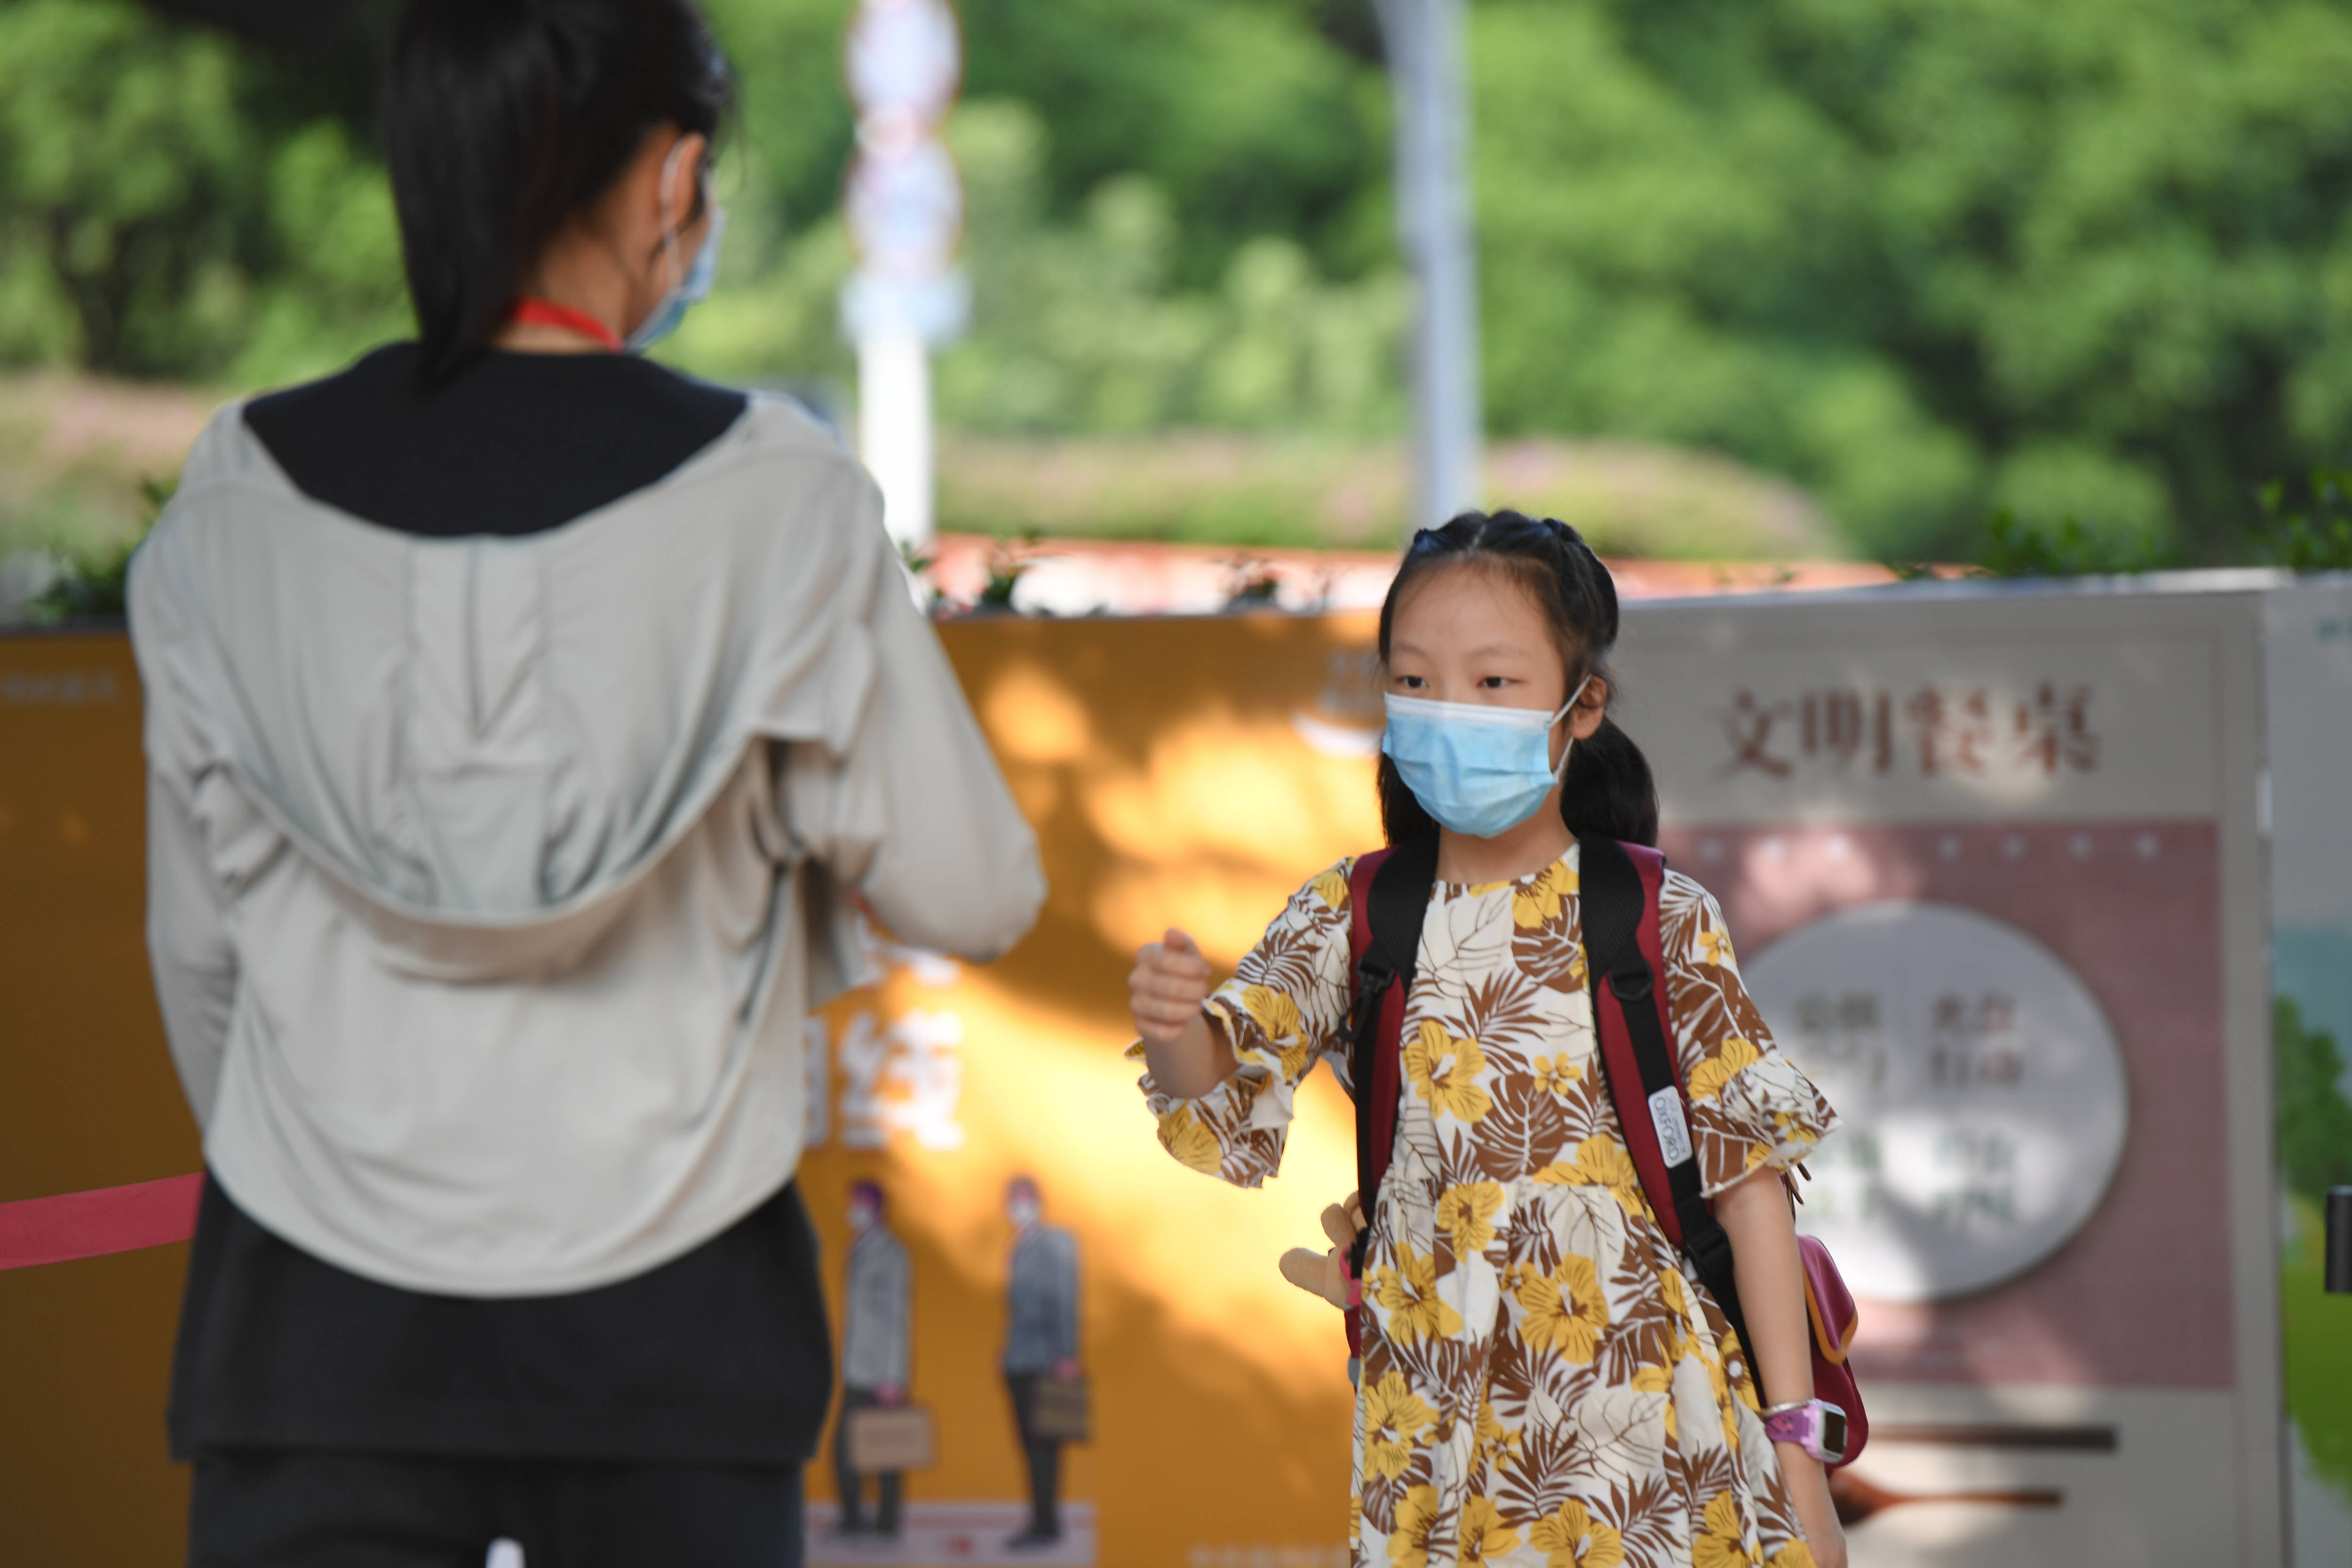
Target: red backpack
[1389, 894]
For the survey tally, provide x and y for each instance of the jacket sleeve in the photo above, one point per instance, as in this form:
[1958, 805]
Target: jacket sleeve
[188, 943]
[915, 817]
[187, 946]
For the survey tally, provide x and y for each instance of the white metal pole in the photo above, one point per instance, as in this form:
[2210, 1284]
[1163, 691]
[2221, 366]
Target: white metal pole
[1427, 76]
[894, 427]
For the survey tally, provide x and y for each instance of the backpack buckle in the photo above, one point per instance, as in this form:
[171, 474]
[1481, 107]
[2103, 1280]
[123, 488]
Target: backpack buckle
[1631, 985]
[1372, 981]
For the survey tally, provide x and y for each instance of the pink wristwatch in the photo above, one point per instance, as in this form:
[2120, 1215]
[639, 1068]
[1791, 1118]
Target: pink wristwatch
[1813, 1425]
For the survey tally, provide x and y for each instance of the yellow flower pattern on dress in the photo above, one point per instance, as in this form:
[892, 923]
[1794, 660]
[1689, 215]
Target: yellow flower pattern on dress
[1557, 1076]
[1728, 1398]
[1395, 1419]
[1707, 1082]
[1656, 1379]
[1409, 1292]
[1721, 1544]
[1271, 1011]
[1565, 1309]
[1539, 901]
[1277, 1017]
[1484, 1534]
[1466, 1213]
[1492, 1443]
[1600, 1162]
[1572, 1538]
[1184, 1136]
[1445, 1071]
[1522, 1299]
[1417, 1515]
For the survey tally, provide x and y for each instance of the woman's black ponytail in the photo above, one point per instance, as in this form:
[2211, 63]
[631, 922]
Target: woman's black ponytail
[1608, 787]
[502, 118]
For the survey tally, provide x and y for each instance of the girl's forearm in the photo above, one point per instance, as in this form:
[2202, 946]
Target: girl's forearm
[1194, 1063]
[1755, 1214]
[1771, 1281]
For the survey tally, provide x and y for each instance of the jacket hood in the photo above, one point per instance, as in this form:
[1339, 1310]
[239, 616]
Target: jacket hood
[484, 743]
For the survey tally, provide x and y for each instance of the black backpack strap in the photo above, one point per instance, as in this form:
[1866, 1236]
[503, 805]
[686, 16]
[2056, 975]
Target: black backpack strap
[1398, 902]
[1614, 903]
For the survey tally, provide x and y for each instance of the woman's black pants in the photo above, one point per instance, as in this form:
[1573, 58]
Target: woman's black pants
[301, 1509]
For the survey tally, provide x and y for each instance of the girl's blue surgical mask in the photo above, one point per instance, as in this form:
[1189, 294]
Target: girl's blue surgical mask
[692, 285]
[1479, 771]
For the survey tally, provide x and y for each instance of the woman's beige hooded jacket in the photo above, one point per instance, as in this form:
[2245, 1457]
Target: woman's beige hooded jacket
[492, 878]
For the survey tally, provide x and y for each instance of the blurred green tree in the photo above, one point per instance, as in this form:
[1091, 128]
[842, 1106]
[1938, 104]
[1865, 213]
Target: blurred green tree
[1258, 117]
[175, 204]
[1081, 323]
[127, 172]
[1940, 262]
[1932, 258]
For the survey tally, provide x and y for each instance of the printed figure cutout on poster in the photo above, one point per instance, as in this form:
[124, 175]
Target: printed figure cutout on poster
[1041, 1356]
[875, 1327]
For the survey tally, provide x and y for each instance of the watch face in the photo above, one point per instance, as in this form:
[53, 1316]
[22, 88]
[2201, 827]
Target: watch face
[1833, 1432]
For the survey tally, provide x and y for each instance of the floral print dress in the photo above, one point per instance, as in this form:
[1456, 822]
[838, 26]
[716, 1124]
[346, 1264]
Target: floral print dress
[1544, 1382]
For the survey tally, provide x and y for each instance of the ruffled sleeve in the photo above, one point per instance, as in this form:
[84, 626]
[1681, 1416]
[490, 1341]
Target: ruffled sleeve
[1750, 1106]
[1285, 1006]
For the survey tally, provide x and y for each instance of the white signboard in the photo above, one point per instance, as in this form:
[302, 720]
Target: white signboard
[1994, 857]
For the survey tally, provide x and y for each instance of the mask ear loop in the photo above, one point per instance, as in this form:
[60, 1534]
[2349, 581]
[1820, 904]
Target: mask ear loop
[669, 234]
[1560, 773]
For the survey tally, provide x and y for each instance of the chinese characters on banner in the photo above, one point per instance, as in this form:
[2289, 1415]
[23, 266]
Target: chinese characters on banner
[1931, 730]
[900, 1068]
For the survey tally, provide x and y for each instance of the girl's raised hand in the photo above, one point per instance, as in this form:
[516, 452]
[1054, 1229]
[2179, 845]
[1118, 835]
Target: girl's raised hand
[1165, 991]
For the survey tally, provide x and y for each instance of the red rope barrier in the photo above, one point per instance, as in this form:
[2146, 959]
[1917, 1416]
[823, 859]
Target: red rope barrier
[34, 1231]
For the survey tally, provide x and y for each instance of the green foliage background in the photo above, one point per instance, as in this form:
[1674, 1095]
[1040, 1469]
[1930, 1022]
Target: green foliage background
[2086, 266]
[2315, 1147]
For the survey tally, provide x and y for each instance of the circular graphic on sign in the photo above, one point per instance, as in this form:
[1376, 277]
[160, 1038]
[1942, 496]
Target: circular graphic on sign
[1981, 1092]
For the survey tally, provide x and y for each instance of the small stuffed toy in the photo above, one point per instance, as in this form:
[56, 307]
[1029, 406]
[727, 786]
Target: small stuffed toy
[1326, 1274]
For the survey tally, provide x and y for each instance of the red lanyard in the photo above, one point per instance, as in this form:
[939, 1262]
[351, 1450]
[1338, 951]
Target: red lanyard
[548, 313]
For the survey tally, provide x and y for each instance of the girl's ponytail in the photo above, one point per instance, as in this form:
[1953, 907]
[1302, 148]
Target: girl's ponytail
[1608, 787]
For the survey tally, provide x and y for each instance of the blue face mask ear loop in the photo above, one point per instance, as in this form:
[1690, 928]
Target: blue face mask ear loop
[1559, 773]
[685, 288]
[669, 234]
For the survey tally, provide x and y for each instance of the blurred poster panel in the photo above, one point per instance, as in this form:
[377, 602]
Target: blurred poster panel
[1179, 772]
[2308, 662]
[1993, 862]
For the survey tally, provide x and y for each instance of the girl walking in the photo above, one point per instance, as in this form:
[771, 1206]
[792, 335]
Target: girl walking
[1545, 1382]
